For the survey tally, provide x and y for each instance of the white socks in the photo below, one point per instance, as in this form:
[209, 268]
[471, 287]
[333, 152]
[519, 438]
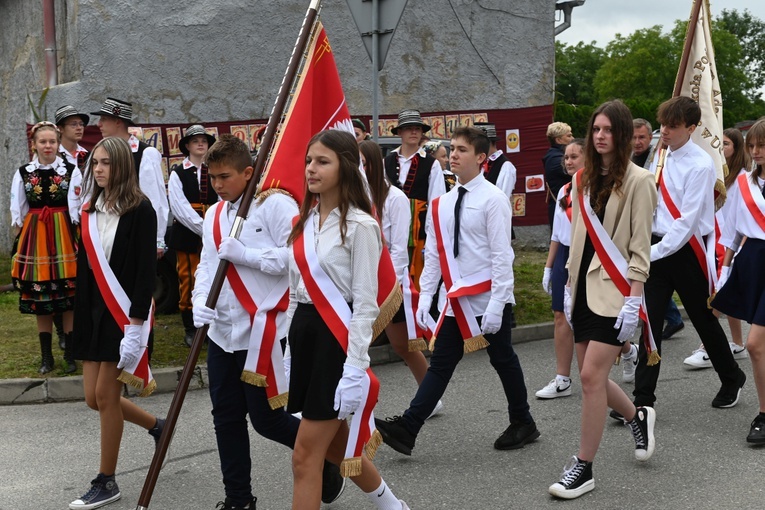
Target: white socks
[562, 380]
[383, 498]
[633, 352]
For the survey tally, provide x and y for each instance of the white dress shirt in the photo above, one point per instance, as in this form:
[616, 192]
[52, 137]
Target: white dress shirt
[396, 227]
[266, 229]
[485, 233]
[507, 175]
[19, 204]
[180, 205]
[352, 266]
[690, 176]
[152, 183]
[561, 231]
[107, 223]
[76, 181]
[436, 183]
[739, 221]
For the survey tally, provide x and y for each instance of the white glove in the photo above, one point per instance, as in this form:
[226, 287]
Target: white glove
[567, 305]
[234, 251]
[287, 362]
[490, 323]
[423, 311]
[202, 314]
[130, 346]
[349, 391]
[724, 274]
[547, 281]
[628, 318]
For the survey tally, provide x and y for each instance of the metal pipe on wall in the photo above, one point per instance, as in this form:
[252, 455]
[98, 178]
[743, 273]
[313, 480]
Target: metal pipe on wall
[49, 40]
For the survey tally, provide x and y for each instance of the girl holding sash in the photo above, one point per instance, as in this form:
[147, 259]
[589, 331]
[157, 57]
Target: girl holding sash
[556, 276]
[336, 248]
[613, 203]
[44, 265]
[124, 240]
[741, 290]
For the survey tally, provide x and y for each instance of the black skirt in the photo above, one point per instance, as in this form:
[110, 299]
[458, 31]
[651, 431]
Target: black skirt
[317, 365]
[743, 295]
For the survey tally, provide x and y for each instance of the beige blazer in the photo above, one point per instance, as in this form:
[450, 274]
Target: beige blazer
[628, 220]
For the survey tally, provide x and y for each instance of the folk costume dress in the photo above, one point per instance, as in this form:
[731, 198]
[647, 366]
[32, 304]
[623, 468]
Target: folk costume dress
[44, 263]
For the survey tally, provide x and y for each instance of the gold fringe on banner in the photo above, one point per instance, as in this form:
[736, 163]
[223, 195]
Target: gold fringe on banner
[721, 191]
[350, 467]
[653, 359]
[137, 383]
[475, 344]
[417, 345]
[262, 195]
[373, 444]
[387, 310]
[279, 400]
[432, 344]
[254, 378]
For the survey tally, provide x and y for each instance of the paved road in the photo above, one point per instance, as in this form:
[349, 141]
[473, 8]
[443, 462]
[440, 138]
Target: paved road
[49, 452]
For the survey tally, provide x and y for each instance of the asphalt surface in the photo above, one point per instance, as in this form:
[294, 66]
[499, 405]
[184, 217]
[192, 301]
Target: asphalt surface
[49, 452]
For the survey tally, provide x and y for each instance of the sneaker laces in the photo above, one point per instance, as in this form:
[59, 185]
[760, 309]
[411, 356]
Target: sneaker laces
[637, 432]
[572, 471]
[700, 350]
[95, 487]
[394, 419]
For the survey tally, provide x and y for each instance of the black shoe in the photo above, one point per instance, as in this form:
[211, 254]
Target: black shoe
[757, 430]
[58, 323]
[228, 505]
[617, 416]
[575, 481]
[70, 366]
[46, 350]
[516, 436]
[156, 431]
[395, 434]
[671, 329]
[642, 431]
[187, 317]
[728, 395]
[188, 338]
[332, 484]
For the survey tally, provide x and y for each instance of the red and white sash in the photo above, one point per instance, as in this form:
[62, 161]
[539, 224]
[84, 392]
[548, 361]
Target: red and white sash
[458, 288]
[117, 302]
[705, 254]
[265, 298]
[615, 265]
[411, 300]
[753, 199]
[336, 314]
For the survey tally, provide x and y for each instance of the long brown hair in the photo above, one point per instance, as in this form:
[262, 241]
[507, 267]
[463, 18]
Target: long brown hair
[600, 186]
[123, 195]
[755, 135]
[740, 158]
[351, 182]
[378, 184]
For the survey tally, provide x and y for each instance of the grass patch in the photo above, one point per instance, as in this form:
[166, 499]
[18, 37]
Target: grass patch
[20, 348]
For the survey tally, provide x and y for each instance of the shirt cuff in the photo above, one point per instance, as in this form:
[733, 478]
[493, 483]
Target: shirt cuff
[654, 253]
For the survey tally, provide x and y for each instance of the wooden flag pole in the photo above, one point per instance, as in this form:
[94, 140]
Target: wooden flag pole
[268, 138]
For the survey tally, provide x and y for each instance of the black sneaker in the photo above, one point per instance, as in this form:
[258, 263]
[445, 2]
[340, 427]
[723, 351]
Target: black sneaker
[617, 416]
[757, 430]
[516, 436]
[642, 430]
[728, 395]
[670, 330]
[103, 490]
[156, 431]
[332, 484]
[395, 434]
[228, 505]
[575, 480]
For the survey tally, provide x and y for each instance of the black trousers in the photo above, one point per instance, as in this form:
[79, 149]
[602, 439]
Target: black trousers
[681, 272]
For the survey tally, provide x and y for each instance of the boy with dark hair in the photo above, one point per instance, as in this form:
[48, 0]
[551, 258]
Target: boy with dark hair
[468, 243]
[248, 321]
[682, 251]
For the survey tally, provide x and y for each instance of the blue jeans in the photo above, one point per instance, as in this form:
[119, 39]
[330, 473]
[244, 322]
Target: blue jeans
[673, 316]
[232, 400]
[448, 353]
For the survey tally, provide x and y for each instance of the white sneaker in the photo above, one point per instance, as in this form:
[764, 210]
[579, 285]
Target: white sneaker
[739, 351]
[404, 506]
[436, 410]
[698, 359]
[629, 364]
[553, 390]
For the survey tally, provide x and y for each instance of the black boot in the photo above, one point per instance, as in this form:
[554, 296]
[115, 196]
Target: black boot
[58, 323]
[70, 365]
[187, 316]
[46, 348]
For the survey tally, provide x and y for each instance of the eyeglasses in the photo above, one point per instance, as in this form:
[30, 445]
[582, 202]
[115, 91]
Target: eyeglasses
[75, 124]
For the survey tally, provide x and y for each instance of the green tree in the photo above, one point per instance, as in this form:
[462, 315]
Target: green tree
[575, 68]
[750, 32]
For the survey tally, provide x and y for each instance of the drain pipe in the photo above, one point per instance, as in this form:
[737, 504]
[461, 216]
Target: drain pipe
[49, 39]
[566, 7]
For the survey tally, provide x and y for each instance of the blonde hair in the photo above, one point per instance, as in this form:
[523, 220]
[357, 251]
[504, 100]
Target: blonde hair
[44, 125]
[556, 130]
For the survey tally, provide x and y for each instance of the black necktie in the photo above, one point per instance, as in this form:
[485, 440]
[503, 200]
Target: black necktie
[461, 191]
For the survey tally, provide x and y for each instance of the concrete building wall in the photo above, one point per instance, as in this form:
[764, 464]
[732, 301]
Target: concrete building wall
[222, 60]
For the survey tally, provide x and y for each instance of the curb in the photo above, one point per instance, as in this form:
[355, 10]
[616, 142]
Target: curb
[67, 389]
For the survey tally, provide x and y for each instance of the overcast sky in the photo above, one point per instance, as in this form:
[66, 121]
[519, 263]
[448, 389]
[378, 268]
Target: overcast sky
[600, 20]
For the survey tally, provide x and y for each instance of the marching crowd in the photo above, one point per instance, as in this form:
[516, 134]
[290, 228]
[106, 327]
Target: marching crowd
[305, 292]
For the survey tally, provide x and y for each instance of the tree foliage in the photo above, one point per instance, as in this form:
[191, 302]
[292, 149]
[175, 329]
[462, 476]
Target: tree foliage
[641, 69]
